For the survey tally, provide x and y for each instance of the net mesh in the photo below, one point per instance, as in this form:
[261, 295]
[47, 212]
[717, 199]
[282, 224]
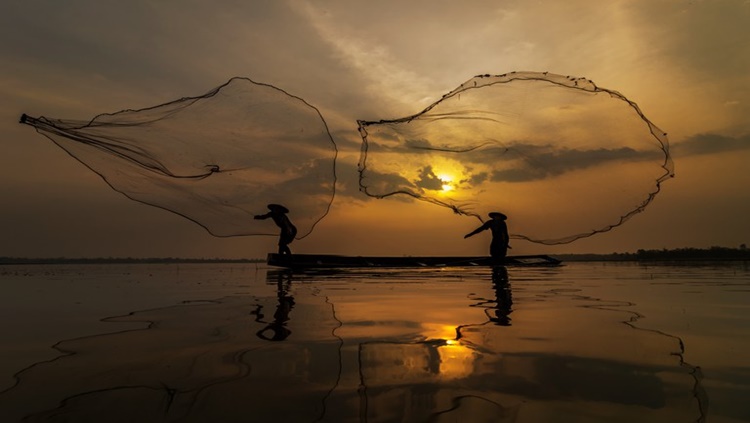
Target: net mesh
[563, 158]
[216, 159]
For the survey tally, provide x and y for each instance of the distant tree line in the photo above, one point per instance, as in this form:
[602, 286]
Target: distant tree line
[115, 260]
[712, 253]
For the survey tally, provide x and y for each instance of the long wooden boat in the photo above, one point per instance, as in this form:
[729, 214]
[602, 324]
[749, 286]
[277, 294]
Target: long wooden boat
[324, 261]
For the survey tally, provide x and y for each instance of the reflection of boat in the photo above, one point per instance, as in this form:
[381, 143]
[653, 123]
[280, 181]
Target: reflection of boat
[323, 261]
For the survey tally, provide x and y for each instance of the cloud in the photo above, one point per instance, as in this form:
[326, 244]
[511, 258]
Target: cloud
[709, 144]
[704, 34]
[347, 180]
[388, 183]
[537, 162]
[475, 178]
[518, 162]
[429, 180]
[358, 51]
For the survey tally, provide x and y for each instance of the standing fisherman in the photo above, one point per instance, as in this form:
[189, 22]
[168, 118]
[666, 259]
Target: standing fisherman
[500, 239]
[288, 230]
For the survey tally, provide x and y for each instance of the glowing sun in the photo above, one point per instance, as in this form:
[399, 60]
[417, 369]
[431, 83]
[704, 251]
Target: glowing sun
[447, 182]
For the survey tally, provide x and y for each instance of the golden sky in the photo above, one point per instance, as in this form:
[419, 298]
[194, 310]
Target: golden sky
[685, 63]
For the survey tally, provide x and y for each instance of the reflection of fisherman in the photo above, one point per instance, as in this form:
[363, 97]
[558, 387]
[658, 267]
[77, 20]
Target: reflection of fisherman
[500, 239]
[279, 331]
[288, 231]
[277, 328]
[503, 296]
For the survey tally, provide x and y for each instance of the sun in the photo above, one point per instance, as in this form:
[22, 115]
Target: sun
[447, 182]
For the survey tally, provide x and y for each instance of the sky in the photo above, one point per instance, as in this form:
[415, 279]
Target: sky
[685, 63]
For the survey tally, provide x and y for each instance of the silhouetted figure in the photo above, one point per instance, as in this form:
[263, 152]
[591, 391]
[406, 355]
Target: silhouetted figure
[288, 231]
[503, 296]
[277, 328]
[500, 239]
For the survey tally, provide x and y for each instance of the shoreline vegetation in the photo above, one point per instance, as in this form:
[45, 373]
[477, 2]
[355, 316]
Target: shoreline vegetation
[680, 254]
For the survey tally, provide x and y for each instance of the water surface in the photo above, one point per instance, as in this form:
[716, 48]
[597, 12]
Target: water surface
[585, 342]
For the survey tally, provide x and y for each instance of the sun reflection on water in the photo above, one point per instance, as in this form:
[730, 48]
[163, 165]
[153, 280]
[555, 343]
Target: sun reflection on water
[456, 360]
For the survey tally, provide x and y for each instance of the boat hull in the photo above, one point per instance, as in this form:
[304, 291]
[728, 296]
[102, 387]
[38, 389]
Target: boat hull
[325, 261]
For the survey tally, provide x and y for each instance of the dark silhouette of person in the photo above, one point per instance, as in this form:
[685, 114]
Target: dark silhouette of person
[276, 330]
[498, 310]
[500, 239]
[288, 230]
[503, 296]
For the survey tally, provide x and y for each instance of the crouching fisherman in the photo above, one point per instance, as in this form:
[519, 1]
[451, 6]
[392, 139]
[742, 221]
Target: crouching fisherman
[288, 231]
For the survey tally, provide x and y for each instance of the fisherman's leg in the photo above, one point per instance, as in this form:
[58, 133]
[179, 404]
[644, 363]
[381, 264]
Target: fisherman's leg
[498, 251]
[284, 241]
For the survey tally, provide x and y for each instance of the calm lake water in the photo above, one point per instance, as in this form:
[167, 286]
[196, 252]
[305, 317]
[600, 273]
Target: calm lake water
[585, 342]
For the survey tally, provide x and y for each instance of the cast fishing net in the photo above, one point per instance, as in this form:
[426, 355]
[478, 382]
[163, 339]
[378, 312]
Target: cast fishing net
[216, 159]
[561, 157]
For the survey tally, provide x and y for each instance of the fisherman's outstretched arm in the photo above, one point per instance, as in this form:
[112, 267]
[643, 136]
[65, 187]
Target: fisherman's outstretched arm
[477, 230]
